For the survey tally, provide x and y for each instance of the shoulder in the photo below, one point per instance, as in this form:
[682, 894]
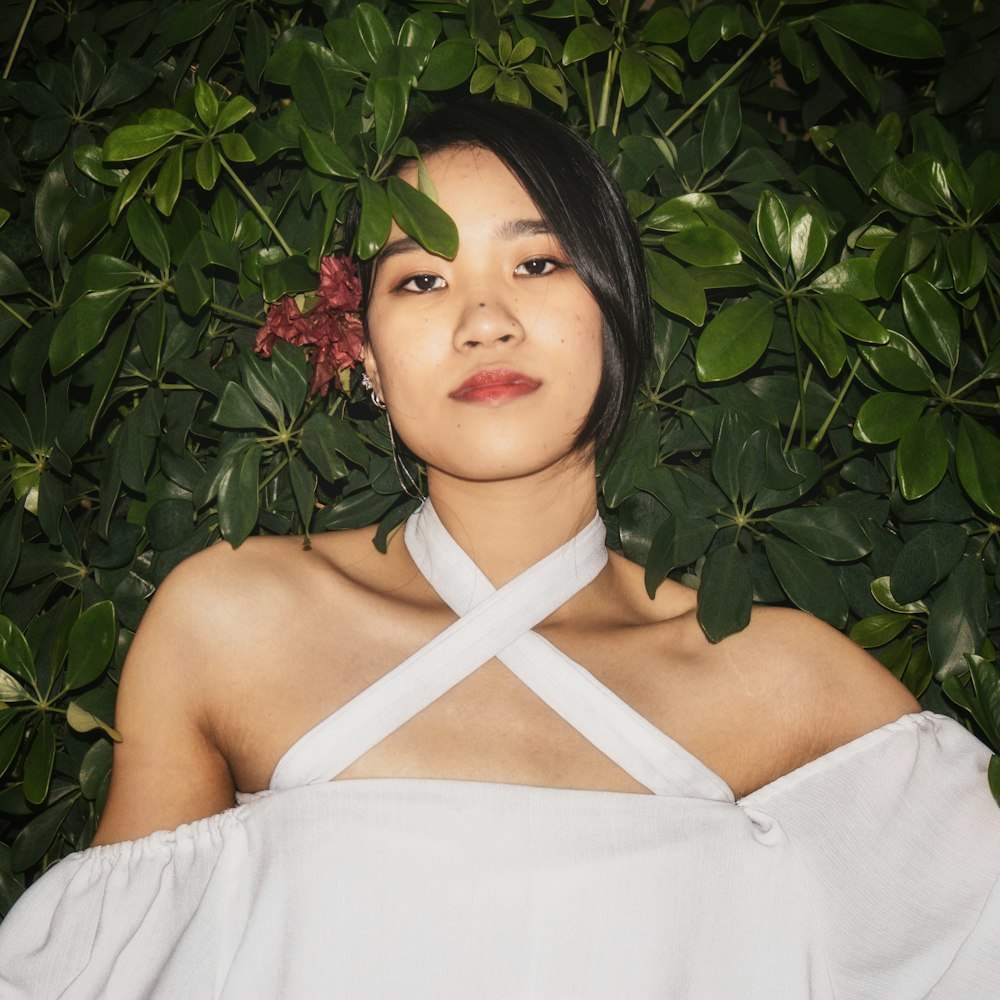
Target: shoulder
[784, 690]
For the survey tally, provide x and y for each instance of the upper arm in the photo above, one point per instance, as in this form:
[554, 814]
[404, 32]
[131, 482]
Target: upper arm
[167, 769]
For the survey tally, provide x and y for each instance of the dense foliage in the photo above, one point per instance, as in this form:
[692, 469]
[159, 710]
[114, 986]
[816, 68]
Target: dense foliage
[816, 186]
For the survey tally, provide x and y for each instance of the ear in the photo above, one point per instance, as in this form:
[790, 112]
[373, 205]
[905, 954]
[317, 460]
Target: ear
[370, 366]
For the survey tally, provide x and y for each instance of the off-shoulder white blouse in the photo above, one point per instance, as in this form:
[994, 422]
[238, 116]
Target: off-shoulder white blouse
[868, 874]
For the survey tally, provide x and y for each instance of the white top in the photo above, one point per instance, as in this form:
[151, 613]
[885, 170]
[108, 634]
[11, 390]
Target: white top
[867, 874]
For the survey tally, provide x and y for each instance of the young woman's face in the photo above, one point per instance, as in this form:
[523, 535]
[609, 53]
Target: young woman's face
[488, 363]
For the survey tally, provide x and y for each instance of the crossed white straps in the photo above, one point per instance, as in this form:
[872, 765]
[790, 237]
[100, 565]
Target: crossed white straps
[498, 623]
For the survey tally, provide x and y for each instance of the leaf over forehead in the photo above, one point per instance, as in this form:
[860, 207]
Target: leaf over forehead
[422, 219]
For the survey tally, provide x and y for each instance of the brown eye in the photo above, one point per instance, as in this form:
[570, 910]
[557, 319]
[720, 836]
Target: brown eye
[421, 283]
[537, 266]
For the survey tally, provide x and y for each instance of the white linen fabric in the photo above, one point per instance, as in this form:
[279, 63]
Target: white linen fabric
[868, 874]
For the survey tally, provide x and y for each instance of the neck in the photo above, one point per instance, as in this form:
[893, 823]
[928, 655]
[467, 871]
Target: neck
[508, 525]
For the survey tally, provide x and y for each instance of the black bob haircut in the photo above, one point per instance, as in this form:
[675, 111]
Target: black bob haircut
[585, 210]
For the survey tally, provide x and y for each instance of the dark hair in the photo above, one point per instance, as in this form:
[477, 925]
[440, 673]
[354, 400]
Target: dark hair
[585, 210]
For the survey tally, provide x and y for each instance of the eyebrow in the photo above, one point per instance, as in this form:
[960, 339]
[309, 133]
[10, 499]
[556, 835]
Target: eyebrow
[508, 230]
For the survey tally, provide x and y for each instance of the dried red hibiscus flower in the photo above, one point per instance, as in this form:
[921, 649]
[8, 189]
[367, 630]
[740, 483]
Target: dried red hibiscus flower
[330, 330]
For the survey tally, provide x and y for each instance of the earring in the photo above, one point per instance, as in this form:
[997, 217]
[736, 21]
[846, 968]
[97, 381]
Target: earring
[369, 387]
[406, 480]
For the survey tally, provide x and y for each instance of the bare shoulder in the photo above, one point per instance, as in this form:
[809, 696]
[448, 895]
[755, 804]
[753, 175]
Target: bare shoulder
[224, 632]
[784, 690]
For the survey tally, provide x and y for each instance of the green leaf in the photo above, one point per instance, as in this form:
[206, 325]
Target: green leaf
[902, 189]
[235, 148]
[922, 456]
[147, 234]
[238, 495]
[885, 417]
[674, 289]
[167, 188]
[207, 166]
[977, 459]
[324, 155]
[391, 101]
[192, 288]
[725, 595]
[852, 319]
[83, 327]
[11, 738]
[291, 376]
[891, 30]
[37, 834]
[854, 70]
[547, 81]
[205, 102]
[131, 142]
[635, 75]
[877, 630]
[807, 241]
[968, 259]
[287, 277]
[866, 153]
[897, 367]
[957, 622]
[723, 121]
[772, 227]
[735, 339]
[233, 111]
[809, 583]
[586, 40]
[321, 442]
[132, 184]
[907, 250]
[376, 35]
[238, 410]
[679, 541]
[855, 277]
[422, 219]
[829, 532]
[376, 218]
[91, 643]
[38, 762]
[704, 246]
[450, 64]
[821, 337]
[665, 26]
[925, 560]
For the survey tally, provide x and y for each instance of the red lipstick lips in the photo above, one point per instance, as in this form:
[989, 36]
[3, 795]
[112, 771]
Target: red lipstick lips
[494, 385]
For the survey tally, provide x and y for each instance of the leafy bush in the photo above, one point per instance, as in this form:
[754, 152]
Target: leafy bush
[816, 186]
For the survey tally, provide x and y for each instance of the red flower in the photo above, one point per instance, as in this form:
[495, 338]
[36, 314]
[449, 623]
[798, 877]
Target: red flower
[330, 331]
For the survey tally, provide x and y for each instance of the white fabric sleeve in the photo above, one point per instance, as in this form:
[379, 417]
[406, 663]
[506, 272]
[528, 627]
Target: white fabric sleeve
[900, 848]
[145, 913]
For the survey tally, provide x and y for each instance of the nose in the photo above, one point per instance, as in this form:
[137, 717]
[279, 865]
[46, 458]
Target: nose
[485, 321]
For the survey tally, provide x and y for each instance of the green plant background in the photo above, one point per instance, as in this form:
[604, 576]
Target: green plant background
[816, 186]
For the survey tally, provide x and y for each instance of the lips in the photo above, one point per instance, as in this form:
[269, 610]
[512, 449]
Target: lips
[494, 385]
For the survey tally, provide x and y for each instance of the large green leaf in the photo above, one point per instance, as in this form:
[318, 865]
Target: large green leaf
[38, 762]
[83, 327]
[957, 622]
[829, 532]
[704, 246]
[809, 583]
[672, 287]
[422, 219]
[892, 30]
[725, 595]
[734, 339]
[925, 560]
[922, 456]
[91, 643]
[723, 121]
[678, 542]
[885, 417]
[977, 458]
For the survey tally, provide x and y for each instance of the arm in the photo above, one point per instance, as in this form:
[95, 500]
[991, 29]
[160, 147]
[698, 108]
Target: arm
[168, 769]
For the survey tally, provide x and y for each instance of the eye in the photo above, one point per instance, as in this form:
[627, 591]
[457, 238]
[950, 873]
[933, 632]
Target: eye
[536, 267]
[421, 283]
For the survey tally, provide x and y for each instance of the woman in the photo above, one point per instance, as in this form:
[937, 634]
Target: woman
[509, 816]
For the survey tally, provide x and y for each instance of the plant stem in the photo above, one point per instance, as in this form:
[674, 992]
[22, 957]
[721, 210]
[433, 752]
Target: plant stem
[235, 314]
[15, 314]
[257, 207]
[724, 79]
[20, 37]
[825, 426]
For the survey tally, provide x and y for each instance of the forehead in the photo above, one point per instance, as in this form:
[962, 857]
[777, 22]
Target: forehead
[470, 180]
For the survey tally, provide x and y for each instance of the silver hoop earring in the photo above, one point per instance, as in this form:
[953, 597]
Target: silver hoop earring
[369, 386]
